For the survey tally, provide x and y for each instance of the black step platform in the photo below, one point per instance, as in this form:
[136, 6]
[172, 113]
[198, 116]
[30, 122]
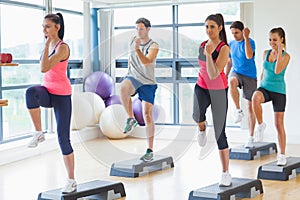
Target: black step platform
[271, 171]
[241, 188]
[96, 190]
[259, 149]
[136, 167]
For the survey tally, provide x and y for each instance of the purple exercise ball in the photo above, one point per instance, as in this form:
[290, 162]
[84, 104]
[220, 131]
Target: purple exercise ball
[100, 83]
[138, 111]
[114, 99]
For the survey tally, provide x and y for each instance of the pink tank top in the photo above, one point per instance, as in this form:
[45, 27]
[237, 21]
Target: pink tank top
[203, 79]
[56, 80]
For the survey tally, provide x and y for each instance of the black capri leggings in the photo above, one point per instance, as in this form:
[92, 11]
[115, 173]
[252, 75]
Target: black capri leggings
[37, 96]
[218, 100]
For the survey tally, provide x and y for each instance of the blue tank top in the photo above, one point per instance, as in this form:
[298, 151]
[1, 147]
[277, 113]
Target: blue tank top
[240, 63]
[271, 81]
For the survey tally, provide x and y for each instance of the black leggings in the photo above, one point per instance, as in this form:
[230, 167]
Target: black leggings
[37, 96]
[218, 100]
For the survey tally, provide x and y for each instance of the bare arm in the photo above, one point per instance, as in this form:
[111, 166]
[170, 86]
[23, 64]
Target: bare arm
[262, 71]
[261, 75]
[150, 57]
[214, 69]
[248, 48]
[282, 61]
[228, 67]
[61, 53]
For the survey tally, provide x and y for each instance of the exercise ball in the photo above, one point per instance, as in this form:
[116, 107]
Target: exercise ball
[82, 112]
[114, 99]
[100, 83]
[97, 105]
[113, 120]
[138, 111]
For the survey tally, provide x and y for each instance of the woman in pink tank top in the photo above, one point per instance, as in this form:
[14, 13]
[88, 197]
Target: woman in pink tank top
[54, 92]
[211, 90]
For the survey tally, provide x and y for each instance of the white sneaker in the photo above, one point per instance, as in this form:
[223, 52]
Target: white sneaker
[201, 137]
[37, 138]
[259, 133]
[225, 180]
[281, 160]
[250, 144]
[70, 186]
[238, 115]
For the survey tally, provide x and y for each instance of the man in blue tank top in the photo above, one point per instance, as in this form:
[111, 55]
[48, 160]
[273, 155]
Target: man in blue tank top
[243, 73]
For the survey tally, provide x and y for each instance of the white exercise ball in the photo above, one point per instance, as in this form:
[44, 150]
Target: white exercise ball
[97, 105]
[82, 112]
[113, 120]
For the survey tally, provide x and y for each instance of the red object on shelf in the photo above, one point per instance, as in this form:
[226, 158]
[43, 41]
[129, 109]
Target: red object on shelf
[3, 57]
[9, 57]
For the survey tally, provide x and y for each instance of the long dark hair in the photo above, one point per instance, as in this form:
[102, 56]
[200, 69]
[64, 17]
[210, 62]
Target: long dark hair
[281, 34]
[218, 18]
[57, 19]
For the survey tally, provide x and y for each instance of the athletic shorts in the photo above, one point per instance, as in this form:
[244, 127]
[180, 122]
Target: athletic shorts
[278, 99]
[248, 84]
[145, 92]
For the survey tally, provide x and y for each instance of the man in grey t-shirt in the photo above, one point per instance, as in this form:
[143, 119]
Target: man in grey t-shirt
[141, 80]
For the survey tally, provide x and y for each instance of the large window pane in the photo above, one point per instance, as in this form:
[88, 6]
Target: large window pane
[186, 91]
[74, 34]
[164, 98]
[121, 42]
[191, 37]
[76, 5]
[163, 36]
[128, 16]
[23, 40]
[197, 13]
[16, 119]
[23, 74]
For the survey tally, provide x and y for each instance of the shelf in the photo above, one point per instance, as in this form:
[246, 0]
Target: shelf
[9, 64]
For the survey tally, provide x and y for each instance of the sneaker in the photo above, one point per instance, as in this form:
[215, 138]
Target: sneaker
[281, 160]
[238, 115]
[130, 124]
[147, 157]
[70, 186]
[225, 180]
[201, 137]
[38, 137]
[259, 133]
[250, 144]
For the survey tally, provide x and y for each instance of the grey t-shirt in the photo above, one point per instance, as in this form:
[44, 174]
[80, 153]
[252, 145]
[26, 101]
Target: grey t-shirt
[143, 74]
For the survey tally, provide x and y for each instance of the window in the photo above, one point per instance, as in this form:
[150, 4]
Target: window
[24, 39]
[128, 16]
[16, 119]
[74, 34]
[189, 39]
[197, 13]
[76, 5]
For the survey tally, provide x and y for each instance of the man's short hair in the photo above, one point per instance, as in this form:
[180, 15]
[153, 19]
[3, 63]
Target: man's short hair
[144, 21]
[237, 24]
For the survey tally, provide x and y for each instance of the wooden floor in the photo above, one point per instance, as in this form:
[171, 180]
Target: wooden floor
[24, 180]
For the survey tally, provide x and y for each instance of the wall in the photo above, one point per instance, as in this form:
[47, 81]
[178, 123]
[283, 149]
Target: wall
[274, 13]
